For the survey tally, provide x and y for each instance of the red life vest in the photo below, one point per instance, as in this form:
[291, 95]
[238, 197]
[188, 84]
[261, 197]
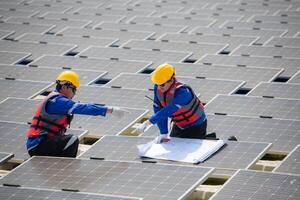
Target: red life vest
[44, 123]
[188, 113]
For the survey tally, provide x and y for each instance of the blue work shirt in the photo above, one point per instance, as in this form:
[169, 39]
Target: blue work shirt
[182, 97]
[61, 105]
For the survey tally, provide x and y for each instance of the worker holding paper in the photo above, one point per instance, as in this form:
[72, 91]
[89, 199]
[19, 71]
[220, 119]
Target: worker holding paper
[176, 100]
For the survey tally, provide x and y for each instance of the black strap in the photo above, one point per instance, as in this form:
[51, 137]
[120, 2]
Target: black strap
[39, 118]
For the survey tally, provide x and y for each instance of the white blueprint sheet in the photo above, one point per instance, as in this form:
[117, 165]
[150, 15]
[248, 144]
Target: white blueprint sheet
[180, 149]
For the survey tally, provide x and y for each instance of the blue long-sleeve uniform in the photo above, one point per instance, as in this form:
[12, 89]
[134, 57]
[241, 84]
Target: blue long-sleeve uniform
[62, 106]
[182, 97]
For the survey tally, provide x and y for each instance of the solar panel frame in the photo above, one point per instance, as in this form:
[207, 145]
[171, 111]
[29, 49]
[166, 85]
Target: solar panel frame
[254, 106]
[156, 57]
[36, 50]
[267, 51]
[250, 185]
[282, 133]
[235, 155]
[22, 89]
[252, 76]
[295, 78]
[289, 65]
[112, 67]
[59, 24]
[109, 177]
[283, 42]
[276, 90]
[4, 157]
[232, 41]
[198, 50]
[80, 42]
[291, 163]
[158, 30]
[21, 72]
[20, 29]
[120, 36]
[8, 192]
[206, 89]
[4, 34]
[7, 57]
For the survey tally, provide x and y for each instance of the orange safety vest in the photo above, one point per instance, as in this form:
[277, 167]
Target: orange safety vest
[188, 113]
[44, 123]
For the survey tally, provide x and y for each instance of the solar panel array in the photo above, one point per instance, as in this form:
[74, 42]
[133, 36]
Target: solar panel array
[241, 58]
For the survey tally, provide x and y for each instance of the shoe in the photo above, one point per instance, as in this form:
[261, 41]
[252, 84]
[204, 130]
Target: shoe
[232, 138]
[211, 135]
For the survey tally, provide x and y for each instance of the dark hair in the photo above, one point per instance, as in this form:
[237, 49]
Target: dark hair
[58, 86]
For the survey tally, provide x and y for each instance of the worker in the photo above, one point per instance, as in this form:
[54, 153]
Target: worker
[176, 100]
[46, 135]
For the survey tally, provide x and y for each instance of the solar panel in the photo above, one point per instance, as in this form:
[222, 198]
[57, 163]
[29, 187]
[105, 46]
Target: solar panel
[13, 138]
[284, 13]
[275, 52]
[232, 41]
[12, 57]
[36, 50]
[158, 30]
[190, 23]
[290, 65]
[271, 8]
[32, 193]
[59, 24]
[22, 110]
[111, 10]
[255, 106]
[277, 19]
[94, 19]
[219, 20]
[284, 42]
[40, 9]
[207, 88]
[157, 57]
[259, 185]
[292, 28]
[122, 36]
[12, 13]
[252, 76]
[291, 164]
[236, 155]
[81, 42]
[142, 180]
[198, 50]
[5, 156]
[20, 72]
[131, 98]
[4, 34]
[283, 134]
[264, 35]
[21, 89]
[295, 78]
[20, 29]
[113, 67]
[246, 14]
[276, 90]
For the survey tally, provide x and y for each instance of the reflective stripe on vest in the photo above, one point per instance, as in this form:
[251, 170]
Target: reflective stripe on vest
[44, 123]
[188, 113]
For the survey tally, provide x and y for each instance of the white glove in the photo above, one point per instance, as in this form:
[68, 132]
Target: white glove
[119, 112]
[161, 139]
[141, 128]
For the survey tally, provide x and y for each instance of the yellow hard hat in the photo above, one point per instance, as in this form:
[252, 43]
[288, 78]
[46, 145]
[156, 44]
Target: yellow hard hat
[70, 76]
[162, 74]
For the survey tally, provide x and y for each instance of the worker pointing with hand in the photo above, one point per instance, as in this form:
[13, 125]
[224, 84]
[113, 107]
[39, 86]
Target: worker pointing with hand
[46, 135]
[176, 100]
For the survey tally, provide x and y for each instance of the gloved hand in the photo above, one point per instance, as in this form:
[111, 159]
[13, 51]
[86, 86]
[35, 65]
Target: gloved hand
[118, 112]
[161, 139]
[141, 128]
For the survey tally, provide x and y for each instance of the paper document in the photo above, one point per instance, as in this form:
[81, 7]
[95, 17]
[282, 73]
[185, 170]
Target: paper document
[181, 149]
